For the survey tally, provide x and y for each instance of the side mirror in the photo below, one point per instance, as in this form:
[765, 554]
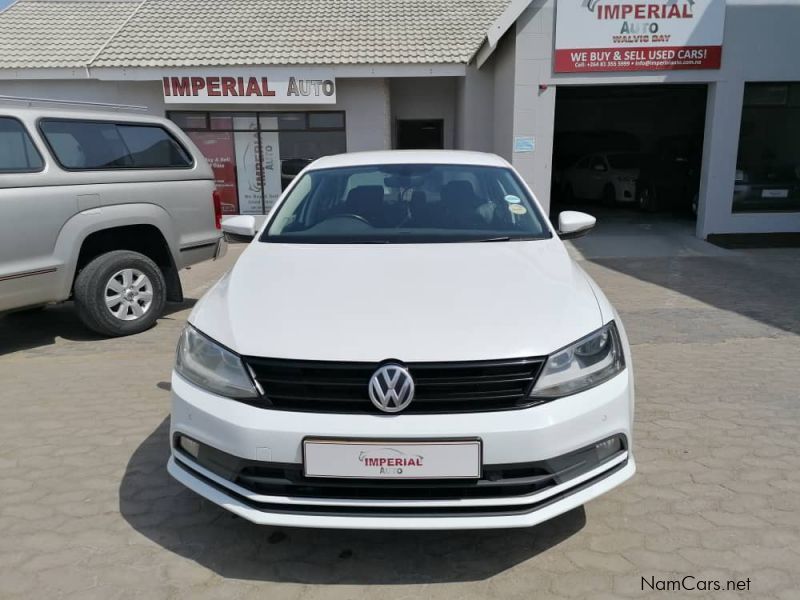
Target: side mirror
[573, 224]
[240, 228]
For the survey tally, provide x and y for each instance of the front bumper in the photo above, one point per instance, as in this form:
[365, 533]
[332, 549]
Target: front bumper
[626, 191]
[509, 437]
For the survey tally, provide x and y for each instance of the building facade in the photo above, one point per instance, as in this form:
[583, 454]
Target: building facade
[263, 89]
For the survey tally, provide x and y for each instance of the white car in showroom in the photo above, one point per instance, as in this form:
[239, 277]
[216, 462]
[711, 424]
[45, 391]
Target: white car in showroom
[405, 344]
[608, 177]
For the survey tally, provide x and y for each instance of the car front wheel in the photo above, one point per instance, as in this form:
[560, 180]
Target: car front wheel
[120, 293]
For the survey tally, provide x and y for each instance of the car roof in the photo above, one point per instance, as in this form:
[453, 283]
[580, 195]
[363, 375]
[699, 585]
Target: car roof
[409, 157]
[67, 111]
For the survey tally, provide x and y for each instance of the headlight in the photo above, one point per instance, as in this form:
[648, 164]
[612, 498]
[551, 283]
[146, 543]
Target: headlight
[588, 362]
[210, 366]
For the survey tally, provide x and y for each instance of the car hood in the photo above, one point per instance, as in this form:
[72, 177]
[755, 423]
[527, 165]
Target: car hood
[410, 302]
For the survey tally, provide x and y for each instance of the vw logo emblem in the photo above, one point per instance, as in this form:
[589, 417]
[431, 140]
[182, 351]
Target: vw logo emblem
[391, 388]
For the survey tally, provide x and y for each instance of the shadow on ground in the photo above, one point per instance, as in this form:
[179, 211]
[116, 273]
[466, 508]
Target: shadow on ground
[181, 522]
[762, 288]
[662, 249]
[41, 327]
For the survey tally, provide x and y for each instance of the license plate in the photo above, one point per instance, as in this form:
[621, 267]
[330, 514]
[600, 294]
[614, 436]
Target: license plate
[774, 193]
[447, 459]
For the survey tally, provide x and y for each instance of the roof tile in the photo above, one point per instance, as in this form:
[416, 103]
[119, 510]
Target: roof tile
[44, 33]
[167, 33]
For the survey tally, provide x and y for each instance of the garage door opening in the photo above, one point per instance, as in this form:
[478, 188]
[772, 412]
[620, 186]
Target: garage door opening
[629, 151]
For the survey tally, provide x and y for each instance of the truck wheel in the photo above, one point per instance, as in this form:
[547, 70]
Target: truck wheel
[120, 293]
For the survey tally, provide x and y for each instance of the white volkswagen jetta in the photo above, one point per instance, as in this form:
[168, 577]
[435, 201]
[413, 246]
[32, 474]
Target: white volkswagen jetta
[406, 344]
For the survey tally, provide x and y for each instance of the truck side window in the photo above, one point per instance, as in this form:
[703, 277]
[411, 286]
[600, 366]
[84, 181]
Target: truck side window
[17, 152]
[93, 145]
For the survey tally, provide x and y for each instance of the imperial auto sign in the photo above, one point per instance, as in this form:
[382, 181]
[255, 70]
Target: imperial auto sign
[631, 35]
[278, 86]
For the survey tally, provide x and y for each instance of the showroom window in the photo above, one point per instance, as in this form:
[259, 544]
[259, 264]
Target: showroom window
[768, 164]
[255, 155]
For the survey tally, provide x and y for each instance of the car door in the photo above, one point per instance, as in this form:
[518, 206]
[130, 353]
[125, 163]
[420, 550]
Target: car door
[32, 213]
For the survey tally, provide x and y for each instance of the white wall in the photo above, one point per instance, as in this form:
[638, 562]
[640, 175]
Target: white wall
[760, 44]
[503, 63]
[365, 101]
[139, 93]
[474, 128]
[425, 98]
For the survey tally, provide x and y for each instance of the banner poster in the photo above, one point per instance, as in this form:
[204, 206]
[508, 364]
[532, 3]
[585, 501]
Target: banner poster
[217, 147]
[248, 175]
[625, 35]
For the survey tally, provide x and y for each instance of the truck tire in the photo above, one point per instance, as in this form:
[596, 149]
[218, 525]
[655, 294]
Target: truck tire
[120, 293]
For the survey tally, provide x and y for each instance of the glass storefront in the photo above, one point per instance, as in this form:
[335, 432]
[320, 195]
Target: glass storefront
[768, 164]
[255, 155]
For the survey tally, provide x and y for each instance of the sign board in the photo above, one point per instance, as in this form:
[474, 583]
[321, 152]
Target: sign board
[310, 86]
[524, 143]
[638, 35]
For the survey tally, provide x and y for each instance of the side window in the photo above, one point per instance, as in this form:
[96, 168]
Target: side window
[93, 145]
[17, 152]
[153, 147]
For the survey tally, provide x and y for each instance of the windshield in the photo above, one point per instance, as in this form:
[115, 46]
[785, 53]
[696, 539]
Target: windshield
[402, 203]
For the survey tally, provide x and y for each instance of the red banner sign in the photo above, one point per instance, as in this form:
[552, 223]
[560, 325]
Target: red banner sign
[643, 58]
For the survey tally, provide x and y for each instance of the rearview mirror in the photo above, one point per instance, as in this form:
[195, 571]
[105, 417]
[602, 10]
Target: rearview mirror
[573, 224]
[241, 228]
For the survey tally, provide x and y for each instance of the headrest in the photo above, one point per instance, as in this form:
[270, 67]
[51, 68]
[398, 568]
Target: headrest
[365, 193]
[458, 191]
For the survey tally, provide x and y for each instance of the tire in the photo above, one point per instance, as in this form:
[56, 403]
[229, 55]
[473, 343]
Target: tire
[609, 196]
[646, 198]
[120, 293]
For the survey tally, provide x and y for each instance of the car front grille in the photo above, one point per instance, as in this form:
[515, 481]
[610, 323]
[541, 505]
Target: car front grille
[441, 387]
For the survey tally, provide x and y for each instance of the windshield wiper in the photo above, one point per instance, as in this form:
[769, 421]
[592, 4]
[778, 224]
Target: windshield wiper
[508, 238]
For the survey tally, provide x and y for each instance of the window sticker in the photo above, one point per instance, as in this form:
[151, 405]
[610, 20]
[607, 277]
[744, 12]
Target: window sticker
[517, 209]
[511, 199]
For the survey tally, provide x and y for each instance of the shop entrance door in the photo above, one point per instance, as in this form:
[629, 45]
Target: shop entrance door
[420, 134]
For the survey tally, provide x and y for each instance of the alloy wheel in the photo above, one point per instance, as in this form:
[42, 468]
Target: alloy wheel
[129, 294]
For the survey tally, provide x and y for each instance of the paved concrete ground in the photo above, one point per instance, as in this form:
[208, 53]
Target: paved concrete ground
[88, 511]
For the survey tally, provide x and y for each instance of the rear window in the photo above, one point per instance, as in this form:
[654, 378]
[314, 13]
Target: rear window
[93, 145]
[17, 152]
